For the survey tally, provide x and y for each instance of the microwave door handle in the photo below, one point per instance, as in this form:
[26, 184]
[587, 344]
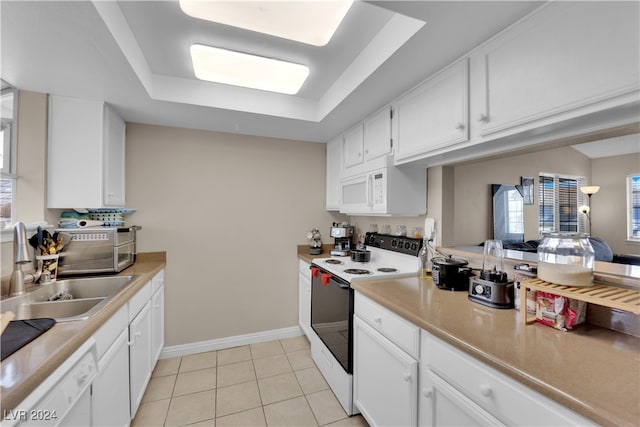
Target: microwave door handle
[370, 190]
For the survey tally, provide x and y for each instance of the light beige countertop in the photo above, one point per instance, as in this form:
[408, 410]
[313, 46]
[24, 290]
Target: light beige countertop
[591, 370]
[24, 370]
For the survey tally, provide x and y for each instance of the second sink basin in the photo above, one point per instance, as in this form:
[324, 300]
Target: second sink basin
[68, 299]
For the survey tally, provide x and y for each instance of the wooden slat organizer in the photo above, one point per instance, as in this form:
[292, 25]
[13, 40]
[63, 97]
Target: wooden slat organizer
[600, 294]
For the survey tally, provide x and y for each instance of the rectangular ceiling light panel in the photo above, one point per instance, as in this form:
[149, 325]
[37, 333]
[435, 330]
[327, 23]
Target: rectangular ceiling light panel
[305, 21]
[241, 69]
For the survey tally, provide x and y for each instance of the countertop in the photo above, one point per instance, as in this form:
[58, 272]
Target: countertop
[593, 371]
[24, 370]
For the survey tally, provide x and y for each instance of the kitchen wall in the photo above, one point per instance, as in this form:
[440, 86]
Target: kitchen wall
[31, 168]
[609, 205]
[229, 210]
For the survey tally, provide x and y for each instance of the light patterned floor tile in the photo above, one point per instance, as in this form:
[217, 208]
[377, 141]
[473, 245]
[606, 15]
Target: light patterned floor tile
[191, 408]
[326, 407]
[295, 344]
[266, 349]
[252, 417]
[151, 413]
[159, 388]
[273, 365]
[354, 421]
[311, 380]
[234, 355]
[195, 381]
[238, 398]
[300, 359]
[235, 373]
[193, 362]
[294, 412]
[278, 388]
[166, 367]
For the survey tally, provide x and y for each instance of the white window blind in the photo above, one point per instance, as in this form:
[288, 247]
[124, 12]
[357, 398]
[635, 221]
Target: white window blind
[633, 208]
[559, 199]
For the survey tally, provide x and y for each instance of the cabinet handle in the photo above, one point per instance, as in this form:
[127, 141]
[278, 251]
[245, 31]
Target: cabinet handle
[459, 126]
[427, 392]
[483, 118]
[406, 376]
[486, 390]
[156, 305]
[378, 320]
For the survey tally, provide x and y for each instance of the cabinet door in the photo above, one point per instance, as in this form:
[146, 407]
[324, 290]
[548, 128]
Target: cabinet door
[353, 147]
[567, 56]
[385, 379]
[434, 115]
[74, 158]
[139, 355]
[110, 389]
[334, 168]
[157, 325]
[442, 405]
[114, 159]
[377, 135]
[304, 301]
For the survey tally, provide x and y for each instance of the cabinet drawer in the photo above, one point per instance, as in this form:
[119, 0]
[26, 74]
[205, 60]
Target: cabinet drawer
[157, 282]
[404, 334]
[139, 300]
[506, 399]
[108, 332]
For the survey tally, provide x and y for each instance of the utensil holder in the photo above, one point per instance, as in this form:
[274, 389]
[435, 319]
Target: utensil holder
[50, 264]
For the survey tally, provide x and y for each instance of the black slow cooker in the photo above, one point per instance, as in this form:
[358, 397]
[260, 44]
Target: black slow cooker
[451, 273]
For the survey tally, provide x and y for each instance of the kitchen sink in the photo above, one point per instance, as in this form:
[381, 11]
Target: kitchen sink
[66, 300]
[68, 310]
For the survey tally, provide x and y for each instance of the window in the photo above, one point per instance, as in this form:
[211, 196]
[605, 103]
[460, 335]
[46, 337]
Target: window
[633, 208]
[559, 198]
[8, 110]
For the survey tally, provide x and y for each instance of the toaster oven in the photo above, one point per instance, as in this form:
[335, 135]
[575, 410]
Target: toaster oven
[98, 250]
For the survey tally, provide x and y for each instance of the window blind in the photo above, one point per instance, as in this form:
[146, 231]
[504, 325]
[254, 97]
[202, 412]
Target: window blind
[559, 198]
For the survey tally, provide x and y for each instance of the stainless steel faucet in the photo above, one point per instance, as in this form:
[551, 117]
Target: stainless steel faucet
[21, 257]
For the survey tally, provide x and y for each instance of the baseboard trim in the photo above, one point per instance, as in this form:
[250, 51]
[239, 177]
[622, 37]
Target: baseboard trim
[228, 342]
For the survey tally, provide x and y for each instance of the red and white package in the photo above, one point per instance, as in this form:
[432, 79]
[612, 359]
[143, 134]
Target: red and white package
[559, 312]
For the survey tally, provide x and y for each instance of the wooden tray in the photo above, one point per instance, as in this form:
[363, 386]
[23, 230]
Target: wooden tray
[600, 294]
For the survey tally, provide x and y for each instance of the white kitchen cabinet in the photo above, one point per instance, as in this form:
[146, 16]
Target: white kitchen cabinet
[367, 145]
[433, 116]
[110, 388]
[304, 297]
[566, 60]
[479, 390]
[334, 173]
[86, 154]
[385, 376]
[157, 317]
[377, 135]
[353, 147]
[139, 356]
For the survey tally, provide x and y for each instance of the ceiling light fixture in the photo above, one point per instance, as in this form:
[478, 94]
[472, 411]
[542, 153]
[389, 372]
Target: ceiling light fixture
[310, 22]
[242, 69]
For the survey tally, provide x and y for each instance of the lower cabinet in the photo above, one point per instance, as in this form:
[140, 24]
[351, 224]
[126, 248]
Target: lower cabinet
[385, 379]
[128, 346]
[304, 297]
[110, 389]
[139, 356]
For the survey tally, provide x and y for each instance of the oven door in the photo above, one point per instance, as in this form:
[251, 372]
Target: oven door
[332, 314]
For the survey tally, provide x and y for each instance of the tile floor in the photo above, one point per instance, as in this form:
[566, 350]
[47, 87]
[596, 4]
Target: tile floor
[275, 383]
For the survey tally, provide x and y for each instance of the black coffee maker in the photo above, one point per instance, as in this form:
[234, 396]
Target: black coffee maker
[342, 234]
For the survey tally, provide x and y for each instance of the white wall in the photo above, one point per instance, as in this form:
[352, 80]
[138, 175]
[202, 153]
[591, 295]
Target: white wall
[229, 211]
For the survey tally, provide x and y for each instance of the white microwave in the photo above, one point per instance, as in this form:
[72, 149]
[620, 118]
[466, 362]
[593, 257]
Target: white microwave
[387, 191]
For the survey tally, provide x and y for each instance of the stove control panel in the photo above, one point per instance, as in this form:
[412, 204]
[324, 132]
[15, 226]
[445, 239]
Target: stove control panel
[401, 244]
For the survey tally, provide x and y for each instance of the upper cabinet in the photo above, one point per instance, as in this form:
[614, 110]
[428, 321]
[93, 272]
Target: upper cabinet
[566, 60]
[433, 116]
[367, 145]
[86, 158]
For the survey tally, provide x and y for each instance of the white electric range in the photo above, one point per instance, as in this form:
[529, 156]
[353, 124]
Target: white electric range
[332, 304]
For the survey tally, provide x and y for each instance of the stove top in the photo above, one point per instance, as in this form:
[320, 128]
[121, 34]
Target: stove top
[391, 256]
